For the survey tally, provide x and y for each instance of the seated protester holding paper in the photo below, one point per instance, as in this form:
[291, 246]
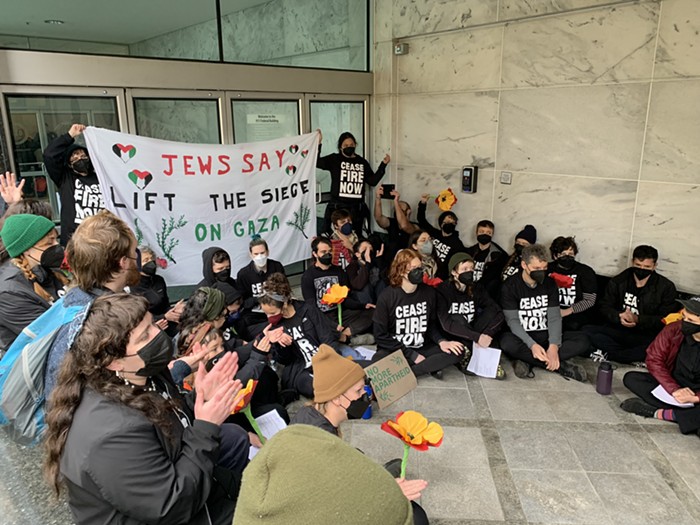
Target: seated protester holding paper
[673, 365]
[576, 296]
[525, 237]
[466, 312]
[125, 443]
[634, 303]
[297, 331]
[249, 281]
[530, 302]
[216, 267]
[399, 227]
[339, 395]
[31, 280]
[366, 273]
[489, 258]
[445, 237]
[153, 287]
[343, 237]
[421, 243]
[315, 282]
[404, 319]
[104, 259]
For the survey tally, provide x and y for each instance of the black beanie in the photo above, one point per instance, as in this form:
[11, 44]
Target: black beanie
[529, 233]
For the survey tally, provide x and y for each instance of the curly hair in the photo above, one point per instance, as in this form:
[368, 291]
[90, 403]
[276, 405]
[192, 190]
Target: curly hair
[278, 285]
[102, 339]
[194, 314]
[561, 244]
[400, 264]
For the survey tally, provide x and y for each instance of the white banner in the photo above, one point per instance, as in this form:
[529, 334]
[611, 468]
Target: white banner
[183, 198]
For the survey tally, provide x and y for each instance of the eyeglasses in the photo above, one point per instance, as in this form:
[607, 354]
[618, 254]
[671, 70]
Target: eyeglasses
[137, 259]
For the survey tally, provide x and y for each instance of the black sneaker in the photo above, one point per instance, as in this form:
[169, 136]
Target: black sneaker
[437, 374]
[523, 370]
[571, 371]
[634, 405]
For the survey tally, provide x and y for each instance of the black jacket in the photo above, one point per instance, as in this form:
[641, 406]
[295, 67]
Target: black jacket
[208, 273]
[655, 300]
[19, 303]
[154, 289]
[349, 175]
[467, 316]
[80, 195]
[308, 415]
[121, 469]
[250, 280]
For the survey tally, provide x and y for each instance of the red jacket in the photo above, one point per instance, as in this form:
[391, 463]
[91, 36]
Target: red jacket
[661, 356]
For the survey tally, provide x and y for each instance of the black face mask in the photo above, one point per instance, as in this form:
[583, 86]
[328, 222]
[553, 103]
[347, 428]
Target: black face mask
[688, 328]
[642, 273]
[149, 268]
[415, 276]
[52, 257]
[223, 275]
[466, 277]
[358, 407]
[326, 259]
[538, 275]
[349, 151]
[566, 262]
[82, 166]
[484, 238]
[156, 355]
[518, 249]
[449, 227]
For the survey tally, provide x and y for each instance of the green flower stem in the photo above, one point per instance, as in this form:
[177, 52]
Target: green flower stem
[406, 448]
[340, 314]
[253, 423]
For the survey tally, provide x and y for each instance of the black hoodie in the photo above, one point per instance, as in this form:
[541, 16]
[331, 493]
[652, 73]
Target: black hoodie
[208, 273]
[80, 195]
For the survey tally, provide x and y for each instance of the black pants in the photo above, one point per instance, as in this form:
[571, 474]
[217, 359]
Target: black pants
[359, 214]
[435, 359]
[642, 383]
[572, 344]
[359, 321]
[623, 345]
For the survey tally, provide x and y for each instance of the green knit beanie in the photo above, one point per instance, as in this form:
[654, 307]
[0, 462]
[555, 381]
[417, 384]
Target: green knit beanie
[214, 305]
[307, 476]
[21, 232]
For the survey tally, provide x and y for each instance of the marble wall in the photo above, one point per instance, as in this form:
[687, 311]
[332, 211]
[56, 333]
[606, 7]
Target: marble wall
[309, 33]
[591, 107]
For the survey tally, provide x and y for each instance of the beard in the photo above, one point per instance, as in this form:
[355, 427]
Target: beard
[133, 277]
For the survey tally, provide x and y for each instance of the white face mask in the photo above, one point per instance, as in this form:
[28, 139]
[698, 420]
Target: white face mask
[260, 260]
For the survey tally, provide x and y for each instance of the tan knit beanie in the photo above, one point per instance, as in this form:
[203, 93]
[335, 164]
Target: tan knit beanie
[307, 476]
[333, 374]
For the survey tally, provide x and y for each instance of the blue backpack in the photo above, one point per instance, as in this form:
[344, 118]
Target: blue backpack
[22, 370]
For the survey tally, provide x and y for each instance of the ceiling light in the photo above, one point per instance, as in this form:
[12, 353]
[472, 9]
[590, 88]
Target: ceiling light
[55, 22]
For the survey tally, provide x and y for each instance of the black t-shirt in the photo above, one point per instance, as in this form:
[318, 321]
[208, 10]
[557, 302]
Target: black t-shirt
[405, 320]
[488, 263]
[584, 282]
[349, 175]
[512, 268]
[687, 368]
[530, 303]
[308, 331]
[250, 279]
[315, 282]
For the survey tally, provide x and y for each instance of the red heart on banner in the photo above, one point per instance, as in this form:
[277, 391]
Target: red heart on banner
[291, 170]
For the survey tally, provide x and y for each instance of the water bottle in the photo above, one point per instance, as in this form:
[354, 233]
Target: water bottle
[368, 412]
[603, 384]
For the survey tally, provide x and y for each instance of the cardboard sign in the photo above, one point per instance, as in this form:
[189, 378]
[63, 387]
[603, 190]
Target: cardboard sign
[391, 378]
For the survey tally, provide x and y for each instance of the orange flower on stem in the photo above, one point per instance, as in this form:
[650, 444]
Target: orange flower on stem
[446, 199]
[243, 405]
[415, 432]
[336, 294]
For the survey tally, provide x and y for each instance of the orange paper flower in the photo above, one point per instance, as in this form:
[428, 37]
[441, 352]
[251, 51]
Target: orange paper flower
[244, 396]
[446, 199]
[336, 294]
[414, 430]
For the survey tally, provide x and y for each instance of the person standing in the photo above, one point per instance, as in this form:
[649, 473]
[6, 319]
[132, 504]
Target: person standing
[349, 174]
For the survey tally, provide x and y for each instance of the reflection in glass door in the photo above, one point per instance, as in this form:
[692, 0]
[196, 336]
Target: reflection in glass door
[333, 118]
[36, 120]
[195, 121]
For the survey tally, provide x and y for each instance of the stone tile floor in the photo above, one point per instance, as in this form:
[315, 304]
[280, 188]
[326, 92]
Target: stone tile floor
[543, 451]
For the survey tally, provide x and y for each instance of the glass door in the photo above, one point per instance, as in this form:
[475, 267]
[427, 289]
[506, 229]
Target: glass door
[36, 117]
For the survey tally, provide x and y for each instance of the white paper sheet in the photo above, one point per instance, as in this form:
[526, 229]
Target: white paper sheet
[270, 423]
[661, 394]
[484, 361]
[366, 353]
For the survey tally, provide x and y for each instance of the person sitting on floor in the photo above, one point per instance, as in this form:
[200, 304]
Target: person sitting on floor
[672, 361]
[422, 244]
[489, 257]
[530, 302]
[634, 303]
[525, 237]
[445, 237]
